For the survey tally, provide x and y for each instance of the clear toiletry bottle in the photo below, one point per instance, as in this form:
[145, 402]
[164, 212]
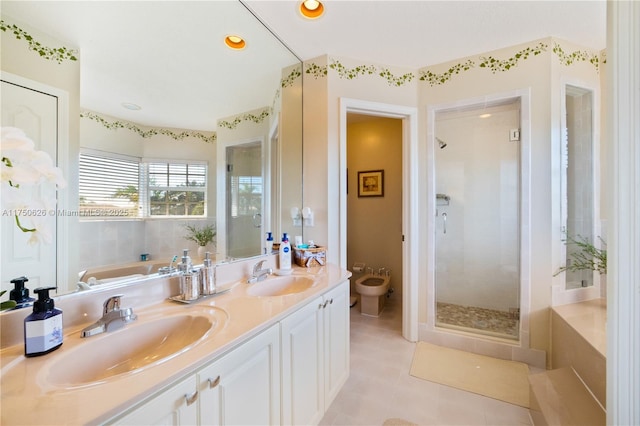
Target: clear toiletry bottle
[208, 276]
[285, 253]
[43, 328]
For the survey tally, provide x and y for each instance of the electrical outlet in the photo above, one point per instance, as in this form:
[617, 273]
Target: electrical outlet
[514, 135]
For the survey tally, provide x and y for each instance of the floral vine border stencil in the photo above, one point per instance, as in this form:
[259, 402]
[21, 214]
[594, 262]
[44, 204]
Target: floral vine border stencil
[59, 54]
[577, 56]
[362, 70]
[433, 79]
[114, 125]
[245, 117]
[496, 65]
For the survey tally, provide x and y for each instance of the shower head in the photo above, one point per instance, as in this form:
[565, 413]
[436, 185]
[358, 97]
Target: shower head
[441, 143]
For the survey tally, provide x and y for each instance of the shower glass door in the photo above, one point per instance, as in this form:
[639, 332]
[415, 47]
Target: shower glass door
[477, 240]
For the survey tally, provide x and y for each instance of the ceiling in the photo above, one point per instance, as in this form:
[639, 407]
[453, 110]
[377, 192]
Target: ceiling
[166, 64]
[419, 33]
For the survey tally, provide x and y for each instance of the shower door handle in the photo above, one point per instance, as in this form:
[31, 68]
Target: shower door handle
[444, 222]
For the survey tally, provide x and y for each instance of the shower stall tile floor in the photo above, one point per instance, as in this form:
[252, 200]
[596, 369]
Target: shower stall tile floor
[480, 320]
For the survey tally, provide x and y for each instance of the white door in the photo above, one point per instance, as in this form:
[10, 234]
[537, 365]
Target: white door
[36, 114]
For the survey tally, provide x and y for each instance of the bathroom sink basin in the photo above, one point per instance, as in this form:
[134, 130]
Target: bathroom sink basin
[137, 346]
[281, 286]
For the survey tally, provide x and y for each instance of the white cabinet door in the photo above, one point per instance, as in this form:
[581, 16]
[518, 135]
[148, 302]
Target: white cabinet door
[243, 387]
[315, 356]
[175, 406]
[302, 365]
[336, 341]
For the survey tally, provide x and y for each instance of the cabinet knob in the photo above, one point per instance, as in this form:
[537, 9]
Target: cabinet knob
[214, 382]
[325, 304]
[190, 399]
[331, 301]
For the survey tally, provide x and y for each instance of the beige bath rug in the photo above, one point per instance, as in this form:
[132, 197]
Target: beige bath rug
[398, 422]
[496, 378]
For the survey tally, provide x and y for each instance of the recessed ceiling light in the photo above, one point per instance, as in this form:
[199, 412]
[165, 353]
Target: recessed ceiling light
[131, 106]
[484, 115]
[235, 42]
[311, 9]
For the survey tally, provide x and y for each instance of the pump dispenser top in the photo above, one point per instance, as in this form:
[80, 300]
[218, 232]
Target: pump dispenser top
[20, 294]
[185, 266]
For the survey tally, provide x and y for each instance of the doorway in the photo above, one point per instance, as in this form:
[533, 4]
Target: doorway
[374, 211]
[410, 231]
[245, 187]
[477, 232]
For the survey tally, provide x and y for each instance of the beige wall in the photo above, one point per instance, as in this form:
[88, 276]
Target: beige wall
[539, 74]
[374, 224]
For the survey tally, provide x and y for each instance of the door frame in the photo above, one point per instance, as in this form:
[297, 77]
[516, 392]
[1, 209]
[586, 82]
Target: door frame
[410, 231]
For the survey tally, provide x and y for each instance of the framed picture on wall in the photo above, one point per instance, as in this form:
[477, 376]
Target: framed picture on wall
[371, 183]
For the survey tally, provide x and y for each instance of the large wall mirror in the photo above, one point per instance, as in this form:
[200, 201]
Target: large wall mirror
[177, 130]
[579, 184]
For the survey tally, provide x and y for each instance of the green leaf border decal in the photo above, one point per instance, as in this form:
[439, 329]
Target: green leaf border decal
[291, 78]
[59, 54]
[496, 65]
[114, 125]
[435, 79]
[316, 70]
[245, 117]
[578, 56]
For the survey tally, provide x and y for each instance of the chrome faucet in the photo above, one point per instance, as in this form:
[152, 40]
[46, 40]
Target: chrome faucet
[259, 273]
[113, 318]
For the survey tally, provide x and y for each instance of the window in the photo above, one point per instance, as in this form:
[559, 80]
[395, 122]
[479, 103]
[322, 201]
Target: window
[177, 189]
[108, 185]
[113, 185]
[246, 195]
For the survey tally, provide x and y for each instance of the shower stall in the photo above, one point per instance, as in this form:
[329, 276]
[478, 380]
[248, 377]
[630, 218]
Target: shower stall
[477, 223]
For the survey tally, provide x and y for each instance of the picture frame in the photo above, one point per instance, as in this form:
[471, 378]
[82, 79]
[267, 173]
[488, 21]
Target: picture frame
[371, 183]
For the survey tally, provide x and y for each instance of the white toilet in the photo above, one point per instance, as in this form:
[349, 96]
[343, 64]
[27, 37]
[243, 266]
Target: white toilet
[372, 290]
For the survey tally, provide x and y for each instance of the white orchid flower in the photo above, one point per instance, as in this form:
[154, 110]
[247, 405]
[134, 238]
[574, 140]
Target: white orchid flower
[23, 170]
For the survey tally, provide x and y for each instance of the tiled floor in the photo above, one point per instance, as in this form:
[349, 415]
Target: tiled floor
[481, 320]
[380, 387]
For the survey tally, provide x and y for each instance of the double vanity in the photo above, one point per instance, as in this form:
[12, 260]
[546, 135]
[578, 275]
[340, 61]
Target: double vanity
[271, 352]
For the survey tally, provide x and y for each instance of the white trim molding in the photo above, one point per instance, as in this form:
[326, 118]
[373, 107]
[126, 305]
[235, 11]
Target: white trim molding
[623, 272]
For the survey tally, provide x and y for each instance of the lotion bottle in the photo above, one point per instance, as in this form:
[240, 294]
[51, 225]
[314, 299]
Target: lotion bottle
[43, 328]
[269, 246]
[285, 253]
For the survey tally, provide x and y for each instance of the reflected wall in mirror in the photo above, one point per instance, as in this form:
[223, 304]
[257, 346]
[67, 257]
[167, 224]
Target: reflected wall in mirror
[579, 195]
[144, 174]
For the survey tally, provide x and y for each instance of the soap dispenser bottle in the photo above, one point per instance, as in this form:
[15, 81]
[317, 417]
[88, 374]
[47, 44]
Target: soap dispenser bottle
[285, 253]
[269, 247]
[208, 276]
[43, 328]
[20, 294]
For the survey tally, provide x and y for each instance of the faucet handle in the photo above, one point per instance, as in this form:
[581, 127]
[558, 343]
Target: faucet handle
[112, 304]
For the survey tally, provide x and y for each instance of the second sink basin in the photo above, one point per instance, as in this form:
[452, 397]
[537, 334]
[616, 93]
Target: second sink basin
[281, 286]
[137, 346]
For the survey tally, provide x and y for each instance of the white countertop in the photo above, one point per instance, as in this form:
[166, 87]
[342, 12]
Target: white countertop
[28, 396]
